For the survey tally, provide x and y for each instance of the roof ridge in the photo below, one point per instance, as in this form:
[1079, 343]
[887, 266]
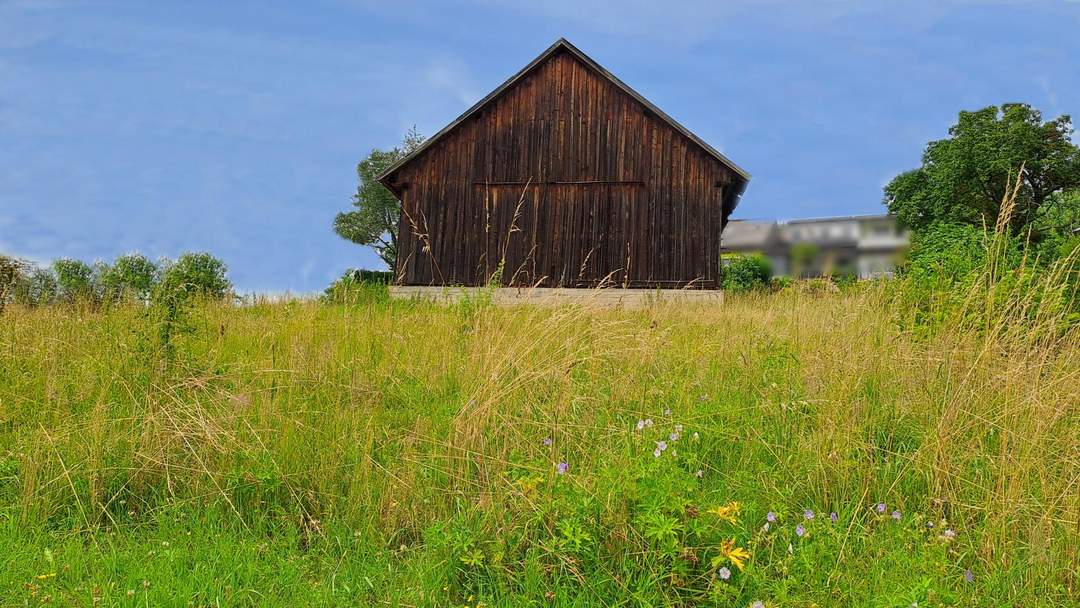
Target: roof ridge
[562, 42]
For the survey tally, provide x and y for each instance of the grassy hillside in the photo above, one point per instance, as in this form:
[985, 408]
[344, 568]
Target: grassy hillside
[415, 455]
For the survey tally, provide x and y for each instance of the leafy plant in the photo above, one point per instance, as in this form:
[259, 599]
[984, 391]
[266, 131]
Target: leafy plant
[964, 178]
[374, 221]
[74, 280]
[12, 272]
[129, 276]
[746, 273]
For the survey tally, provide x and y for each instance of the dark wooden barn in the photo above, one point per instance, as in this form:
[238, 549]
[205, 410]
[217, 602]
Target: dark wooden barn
[563, 177]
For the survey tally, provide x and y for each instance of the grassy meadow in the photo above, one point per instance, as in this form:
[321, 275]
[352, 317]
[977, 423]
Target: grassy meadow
[802, 448]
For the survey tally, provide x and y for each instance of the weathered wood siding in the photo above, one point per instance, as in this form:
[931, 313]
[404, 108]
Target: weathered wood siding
[567, 181]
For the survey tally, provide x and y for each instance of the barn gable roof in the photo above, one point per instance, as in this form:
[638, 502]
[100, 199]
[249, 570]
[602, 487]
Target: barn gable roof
[563, 44]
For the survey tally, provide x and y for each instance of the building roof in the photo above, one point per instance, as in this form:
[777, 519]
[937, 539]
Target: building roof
[740, 234]
[564, 44]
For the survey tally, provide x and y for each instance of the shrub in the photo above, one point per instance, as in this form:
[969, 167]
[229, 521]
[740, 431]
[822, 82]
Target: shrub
[359, 287]
[12, 271]
[130, 276]
[946, 253]
[746, 273]
[193, 275]
[74, 280]
[37, 287]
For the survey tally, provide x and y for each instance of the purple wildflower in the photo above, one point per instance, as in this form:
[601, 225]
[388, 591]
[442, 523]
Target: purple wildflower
[757, 604]
[724, 573]
[896, 515]
[547, 441]
[880, 507]
[770, 516]
[808, 514]
[640, 425]
[562, 468]
[969, 575]
[948, 533]
[800, 530]
[647, 422]
[673, 436]
[678, 428]
[833, 516]
[661, 445]
[656, 452]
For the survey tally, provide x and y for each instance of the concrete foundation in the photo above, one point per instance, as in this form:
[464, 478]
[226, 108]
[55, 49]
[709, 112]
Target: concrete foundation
[546, 296]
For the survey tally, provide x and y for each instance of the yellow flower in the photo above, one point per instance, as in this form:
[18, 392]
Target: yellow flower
[737, 555]
[728, 512]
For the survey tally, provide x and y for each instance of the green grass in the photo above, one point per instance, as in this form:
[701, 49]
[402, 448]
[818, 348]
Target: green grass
[393, 453]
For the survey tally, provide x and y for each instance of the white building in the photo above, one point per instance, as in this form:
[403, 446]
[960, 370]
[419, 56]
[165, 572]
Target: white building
[866, 246]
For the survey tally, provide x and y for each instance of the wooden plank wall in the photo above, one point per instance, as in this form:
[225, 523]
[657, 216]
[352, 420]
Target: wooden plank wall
[569, 182]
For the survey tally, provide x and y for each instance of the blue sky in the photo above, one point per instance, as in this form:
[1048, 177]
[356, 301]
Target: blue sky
[234, 127]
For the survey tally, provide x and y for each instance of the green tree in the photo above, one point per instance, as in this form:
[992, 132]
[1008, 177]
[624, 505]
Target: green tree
[374, 221]
[37, 287]
[74, 279]
[963, 178]
[132, 275]
[12, 272]
[193, 275]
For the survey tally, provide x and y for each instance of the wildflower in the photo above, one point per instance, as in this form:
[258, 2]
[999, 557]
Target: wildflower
[800, 530]
[948, 534]
[880, 507]
[737, 555]
[667, 411]
[562, 468]
[896, 515]
[647, 422]
[678, 428]
[969, 576]
[728, 512]
[656, 452]
[770, 516]
[703, 397]
[808, 514]
[547, 441]
[673, 436]
[661, 445]
[757, 605]
[640, 425]
[699, 473]
[724, 573]
[765, 528]
[833, 516]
